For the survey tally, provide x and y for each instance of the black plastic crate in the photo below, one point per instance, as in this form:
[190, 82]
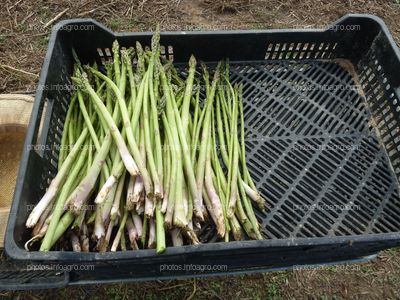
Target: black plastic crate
[322, 136]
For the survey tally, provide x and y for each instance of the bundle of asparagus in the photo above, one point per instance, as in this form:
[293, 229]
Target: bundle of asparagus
[141, 158]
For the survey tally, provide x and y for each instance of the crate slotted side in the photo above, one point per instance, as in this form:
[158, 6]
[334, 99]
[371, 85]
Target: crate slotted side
[313, 153]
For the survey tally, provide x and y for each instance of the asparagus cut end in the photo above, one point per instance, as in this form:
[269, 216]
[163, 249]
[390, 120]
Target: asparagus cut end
[106, 188]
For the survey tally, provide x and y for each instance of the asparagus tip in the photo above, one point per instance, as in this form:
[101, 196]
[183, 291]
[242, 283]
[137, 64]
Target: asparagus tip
[115, 47]
[192, 61]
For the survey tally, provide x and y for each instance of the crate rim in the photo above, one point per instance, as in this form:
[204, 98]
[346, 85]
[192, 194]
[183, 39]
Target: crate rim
[58, 27]
[19, 254]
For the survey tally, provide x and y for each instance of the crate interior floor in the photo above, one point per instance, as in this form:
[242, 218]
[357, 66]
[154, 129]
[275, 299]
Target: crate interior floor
[313, 152]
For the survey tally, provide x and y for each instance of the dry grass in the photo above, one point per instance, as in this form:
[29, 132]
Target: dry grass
[24, 37]
[227, 6]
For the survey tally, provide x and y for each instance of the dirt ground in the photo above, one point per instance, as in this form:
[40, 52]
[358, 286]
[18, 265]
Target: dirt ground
[24, 33]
